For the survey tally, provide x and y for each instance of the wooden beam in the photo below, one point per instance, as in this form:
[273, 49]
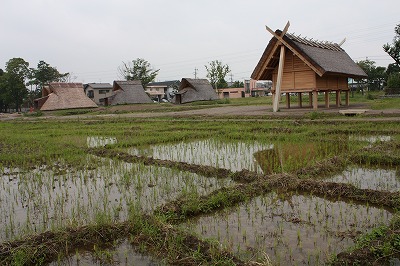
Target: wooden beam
[275, 106]
[271, 55]
[337, 98]
[327, 99]
[347, 98]
[300, 100]
[288, 100]
[315, 100]
[280, 39]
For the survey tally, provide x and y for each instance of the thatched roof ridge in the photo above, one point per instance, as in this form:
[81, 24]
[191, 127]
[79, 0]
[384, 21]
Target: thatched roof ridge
[192, 90]
[65, 96]
[328, 58]
[127, 92]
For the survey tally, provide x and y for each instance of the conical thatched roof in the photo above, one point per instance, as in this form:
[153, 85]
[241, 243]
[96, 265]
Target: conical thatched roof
[326, 57]
[127, 92]
[58, 96]
[192, 90]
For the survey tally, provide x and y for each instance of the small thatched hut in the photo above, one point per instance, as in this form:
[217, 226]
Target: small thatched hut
[58, 96]
[192, 90]
[127, 92]
[300, 65]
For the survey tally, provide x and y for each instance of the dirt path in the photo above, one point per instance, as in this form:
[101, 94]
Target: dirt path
[220, 111]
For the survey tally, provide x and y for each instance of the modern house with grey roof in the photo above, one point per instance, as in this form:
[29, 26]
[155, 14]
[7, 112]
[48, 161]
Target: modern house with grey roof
[98, 92]
[163, 90]
[192, 90]
[128, 92]
[299, 65]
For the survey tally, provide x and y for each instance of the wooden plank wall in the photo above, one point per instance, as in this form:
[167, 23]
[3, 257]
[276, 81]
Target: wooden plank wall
[298, 76]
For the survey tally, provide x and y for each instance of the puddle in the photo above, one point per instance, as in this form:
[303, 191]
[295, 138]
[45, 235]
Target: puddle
[48, 198]
[123, 254]
[98, 141]
[286, 157]
[235, 156]
[295, 229]
[376, 179]
[371, 139]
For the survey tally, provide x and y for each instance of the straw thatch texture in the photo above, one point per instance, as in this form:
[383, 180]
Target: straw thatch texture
[58, 96]
[328, 58]
[127, 92]
[192, 90]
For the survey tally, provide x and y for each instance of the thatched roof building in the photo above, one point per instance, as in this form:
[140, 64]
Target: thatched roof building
[127, 92]
[306, 66]
[58, 96]
[192, 90]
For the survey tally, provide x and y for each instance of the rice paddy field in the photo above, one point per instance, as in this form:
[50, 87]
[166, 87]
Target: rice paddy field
[200, 191]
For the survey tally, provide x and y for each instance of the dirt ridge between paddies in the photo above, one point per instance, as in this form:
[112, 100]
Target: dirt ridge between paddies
[162, 241]
[254, 184]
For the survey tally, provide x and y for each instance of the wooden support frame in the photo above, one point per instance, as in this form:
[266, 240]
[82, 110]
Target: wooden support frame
[288, 100]
[281, 40]
[300, 100]
[315, 99]
[310, 95]
[337, 98]
[347, 98]
[275, 106]
[276, 46]
[327, 99]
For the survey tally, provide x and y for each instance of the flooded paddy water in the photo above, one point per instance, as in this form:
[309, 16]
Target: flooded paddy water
[291, 229]
[369, 178]
[122, 254]
[49, 198]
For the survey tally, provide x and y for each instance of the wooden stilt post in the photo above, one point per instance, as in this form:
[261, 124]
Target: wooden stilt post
[300, 100]
[311, 99]
[275, 106]
[327, 99]
[288, 100]
[337, 98]
[347, 98]
[315, 99]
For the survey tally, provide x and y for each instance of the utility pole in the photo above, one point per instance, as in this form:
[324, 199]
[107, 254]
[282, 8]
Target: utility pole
[195, 72]
[231, 77]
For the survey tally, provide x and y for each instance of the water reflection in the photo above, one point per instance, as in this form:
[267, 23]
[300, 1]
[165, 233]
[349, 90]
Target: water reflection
[98, 141]
[235, 156]
[376, 179]
[286, 157]
[290, 229]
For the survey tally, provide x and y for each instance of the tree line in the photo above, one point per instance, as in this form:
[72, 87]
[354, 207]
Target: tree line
[20, 84]
[385, 77]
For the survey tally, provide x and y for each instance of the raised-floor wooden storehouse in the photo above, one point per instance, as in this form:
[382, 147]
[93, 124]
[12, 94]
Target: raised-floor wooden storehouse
[301, 65]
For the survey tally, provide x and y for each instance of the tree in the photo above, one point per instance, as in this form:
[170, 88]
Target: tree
[43, 75]
[394, 49]
[376, 75]
[237, 84]
[14, 78]
[216, 73]
[138, 69]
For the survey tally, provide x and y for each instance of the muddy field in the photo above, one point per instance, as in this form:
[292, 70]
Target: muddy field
[193, 191]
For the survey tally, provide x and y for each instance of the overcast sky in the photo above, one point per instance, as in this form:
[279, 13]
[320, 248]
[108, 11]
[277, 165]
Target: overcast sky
[91, 38]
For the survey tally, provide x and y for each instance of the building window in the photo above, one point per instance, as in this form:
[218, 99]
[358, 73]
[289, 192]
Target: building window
[104, 91]
[90, 94]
